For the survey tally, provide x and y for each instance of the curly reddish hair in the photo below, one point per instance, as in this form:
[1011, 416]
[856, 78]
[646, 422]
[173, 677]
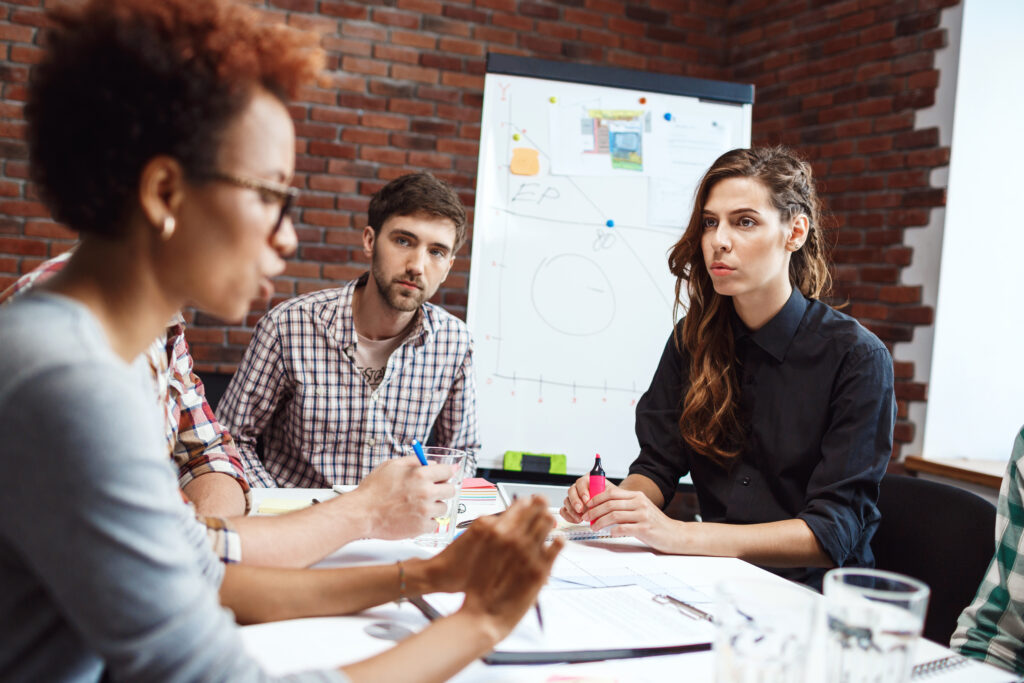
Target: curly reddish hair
[123, 81]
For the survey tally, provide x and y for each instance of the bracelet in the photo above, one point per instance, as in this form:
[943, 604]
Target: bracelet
[401, 582]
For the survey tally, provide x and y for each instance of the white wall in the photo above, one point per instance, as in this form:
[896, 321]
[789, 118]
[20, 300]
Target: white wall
[926, 241]
[975, 404]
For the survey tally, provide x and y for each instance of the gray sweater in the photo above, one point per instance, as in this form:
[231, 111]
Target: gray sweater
[101, 564]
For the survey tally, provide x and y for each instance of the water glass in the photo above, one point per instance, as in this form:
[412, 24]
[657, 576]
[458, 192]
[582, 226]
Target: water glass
[444, 526]
[765, 629]
[874, 619]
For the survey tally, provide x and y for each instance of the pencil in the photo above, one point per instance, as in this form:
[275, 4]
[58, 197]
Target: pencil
[536, 605]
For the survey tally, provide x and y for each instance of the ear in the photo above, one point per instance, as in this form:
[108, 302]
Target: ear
[451, 262]
[161, 190]
[799, 228]
[369, 237]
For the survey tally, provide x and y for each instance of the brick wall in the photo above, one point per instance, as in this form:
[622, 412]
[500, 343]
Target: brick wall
[838, 80]
[841, 82]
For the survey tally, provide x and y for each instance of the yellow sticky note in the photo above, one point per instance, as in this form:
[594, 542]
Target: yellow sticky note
[525, 161]
[279, 506]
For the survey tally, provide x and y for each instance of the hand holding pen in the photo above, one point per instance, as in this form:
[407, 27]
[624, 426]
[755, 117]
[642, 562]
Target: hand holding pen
[400, 497]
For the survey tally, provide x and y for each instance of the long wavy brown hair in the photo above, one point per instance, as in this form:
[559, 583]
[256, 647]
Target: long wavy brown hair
[709, 422]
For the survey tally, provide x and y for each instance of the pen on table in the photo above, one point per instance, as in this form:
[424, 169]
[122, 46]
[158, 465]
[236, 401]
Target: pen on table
[684, 607]
[418, 448]
[536, 605]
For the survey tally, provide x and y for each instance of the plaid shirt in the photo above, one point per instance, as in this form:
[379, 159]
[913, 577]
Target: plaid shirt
[299, 389]
[992, 627]
[196, 442]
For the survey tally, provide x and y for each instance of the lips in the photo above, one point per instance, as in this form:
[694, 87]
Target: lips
[719, 268]
[408, 284]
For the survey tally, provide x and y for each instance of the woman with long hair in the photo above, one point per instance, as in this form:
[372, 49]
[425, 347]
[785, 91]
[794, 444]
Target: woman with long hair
[159, 131]
[780, 407]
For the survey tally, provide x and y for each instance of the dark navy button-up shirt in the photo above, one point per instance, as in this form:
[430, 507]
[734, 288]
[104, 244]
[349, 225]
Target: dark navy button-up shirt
[816, 397]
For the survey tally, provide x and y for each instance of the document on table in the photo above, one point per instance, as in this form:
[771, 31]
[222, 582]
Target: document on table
[622, 617]
[567, 574]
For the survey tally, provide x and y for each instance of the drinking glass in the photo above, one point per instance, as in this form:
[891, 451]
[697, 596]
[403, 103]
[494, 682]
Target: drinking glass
[874, 619]
[765, 628]
[444, 525]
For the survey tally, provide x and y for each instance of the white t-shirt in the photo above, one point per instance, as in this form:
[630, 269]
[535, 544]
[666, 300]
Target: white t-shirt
[371, 356]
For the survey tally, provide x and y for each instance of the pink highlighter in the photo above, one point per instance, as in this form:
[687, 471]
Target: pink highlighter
[595, 483]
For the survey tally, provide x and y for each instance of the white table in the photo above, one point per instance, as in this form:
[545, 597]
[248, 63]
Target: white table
[302, 644]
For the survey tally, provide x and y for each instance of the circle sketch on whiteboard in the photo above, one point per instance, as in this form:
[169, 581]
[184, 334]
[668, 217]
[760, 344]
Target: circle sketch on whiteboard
[573, 295]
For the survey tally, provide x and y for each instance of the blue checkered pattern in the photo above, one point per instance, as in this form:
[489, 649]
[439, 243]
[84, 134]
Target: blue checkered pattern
[299, 388]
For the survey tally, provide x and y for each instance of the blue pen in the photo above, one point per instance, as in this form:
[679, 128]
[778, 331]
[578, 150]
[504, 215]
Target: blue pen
[418, 447]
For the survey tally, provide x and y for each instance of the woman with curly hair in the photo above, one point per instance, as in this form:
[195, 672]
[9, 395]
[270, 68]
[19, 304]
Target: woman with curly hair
[780, 407]
[159, 132]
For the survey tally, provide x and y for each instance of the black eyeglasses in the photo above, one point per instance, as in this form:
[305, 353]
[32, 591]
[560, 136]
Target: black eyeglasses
[269, 191]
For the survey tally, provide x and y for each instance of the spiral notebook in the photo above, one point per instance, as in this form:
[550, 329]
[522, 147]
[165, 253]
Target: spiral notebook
[958, 669]
[554, 495]
[578, 532]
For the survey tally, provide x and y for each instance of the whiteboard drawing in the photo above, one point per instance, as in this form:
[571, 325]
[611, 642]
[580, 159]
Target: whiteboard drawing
[581, 192]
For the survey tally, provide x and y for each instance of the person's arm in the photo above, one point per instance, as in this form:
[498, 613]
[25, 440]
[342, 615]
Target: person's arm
[252, 397]
[839, 503]
[991, 628]
[635, 507]
[398, 499]
[92, 506]
[501, 563]
[216, 494]
[456, 425]
[209, 469]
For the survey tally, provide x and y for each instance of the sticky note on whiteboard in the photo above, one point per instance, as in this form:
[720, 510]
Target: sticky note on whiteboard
[525, 161]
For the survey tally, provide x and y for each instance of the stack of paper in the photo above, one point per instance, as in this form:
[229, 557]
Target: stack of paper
[478, 490]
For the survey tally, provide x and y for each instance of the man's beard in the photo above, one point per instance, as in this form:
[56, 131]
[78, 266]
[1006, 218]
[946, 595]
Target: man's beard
[398, 296]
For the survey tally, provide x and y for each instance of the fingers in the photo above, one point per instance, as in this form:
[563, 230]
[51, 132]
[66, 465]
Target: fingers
[435, 473]
[579, 495]
[551, 552]
[568, 512]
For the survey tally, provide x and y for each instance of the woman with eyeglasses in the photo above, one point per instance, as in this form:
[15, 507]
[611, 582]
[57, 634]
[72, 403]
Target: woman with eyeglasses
[159, 132]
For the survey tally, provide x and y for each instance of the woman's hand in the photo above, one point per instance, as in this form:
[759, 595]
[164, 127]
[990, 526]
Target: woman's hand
[502, 562]
[636, 516]
[578, 498]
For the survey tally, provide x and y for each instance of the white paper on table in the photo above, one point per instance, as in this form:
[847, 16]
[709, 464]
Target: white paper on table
[595, 619]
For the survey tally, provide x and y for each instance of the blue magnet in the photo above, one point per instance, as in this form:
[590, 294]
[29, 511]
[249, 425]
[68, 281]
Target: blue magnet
[668, 117]
[610, 223]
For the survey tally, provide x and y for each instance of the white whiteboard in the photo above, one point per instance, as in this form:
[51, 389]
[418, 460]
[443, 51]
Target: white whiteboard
[570, 315]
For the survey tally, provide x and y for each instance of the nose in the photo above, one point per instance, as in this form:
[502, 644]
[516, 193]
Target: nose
[284, 241]
[721, 240]
[414, 265]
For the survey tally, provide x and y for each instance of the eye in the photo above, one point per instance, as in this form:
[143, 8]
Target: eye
[269, 197]
[401, 241]
[438, 253]
[708, 223]
[746, 222]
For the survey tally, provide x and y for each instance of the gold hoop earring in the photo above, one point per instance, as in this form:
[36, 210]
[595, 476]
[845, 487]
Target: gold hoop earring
[167, 228]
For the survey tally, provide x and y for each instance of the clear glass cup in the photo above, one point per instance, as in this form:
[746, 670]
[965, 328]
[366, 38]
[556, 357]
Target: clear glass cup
[874, 619]
[444, 526]
[765, 629]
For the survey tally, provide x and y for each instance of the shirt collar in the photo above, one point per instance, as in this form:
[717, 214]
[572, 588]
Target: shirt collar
[777, 334]
[343, 322]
